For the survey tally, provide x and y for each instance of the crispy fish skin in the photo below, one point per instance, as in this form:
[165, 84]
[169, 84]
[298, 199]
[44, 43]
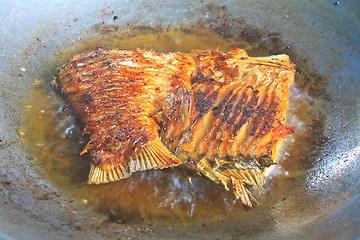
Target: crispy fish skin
[116, 94]
[240, 104]
[221, 115]
[238, 116]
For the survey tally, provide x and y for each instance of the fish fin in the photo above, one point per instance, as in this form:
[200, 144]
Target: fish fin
[241, 181]
[153, 155]
[241, 192]
[99, 174]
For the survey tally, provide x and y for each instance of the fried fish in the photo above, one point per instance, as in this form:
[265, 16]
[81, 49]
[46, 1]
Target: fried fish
[221, 115]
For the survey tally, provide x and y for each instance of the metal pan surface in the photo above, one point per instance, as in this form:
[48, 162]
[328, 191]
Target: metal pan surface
[324, 197]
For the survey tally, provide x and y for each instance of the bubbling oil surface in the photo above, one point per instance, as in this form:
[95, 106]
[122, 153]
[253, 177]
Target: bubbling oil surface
[54, 139]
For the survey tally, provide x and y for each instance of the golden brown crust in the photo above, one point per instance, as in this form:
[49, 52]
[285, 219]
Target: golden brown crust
[115, 93]
[237, 118]
[239, 106]
[222, 115]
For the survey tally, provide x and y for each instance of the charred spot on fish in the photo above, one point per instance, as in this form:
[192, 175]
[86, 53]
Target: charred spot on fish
[253, 101]
[230, 123]
[238, 125]
[227, 110]
[199, 94]
[124, 134]
[198, 76]
[248, 113]
[265, 162]
[265, 128]
[224, 102]
[204, 105]
[256, 127]
[86, 98]
[217, 110]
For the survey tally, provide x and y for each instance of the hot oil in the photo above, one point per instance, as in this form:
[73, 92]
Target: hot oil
[55, 141]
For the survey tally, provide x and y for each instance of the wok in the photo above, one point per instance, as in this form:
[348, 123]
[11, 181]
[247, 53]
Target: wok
[323, 200]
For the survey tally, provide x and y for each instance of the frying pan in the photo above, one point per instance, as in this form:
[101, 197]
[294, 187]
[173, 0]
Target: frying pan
[323, 201]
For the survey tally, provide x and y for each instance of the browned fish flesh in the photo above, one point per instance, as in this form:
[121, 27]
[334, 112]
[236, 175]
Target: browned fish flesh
[221, 115]
[237, 122]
